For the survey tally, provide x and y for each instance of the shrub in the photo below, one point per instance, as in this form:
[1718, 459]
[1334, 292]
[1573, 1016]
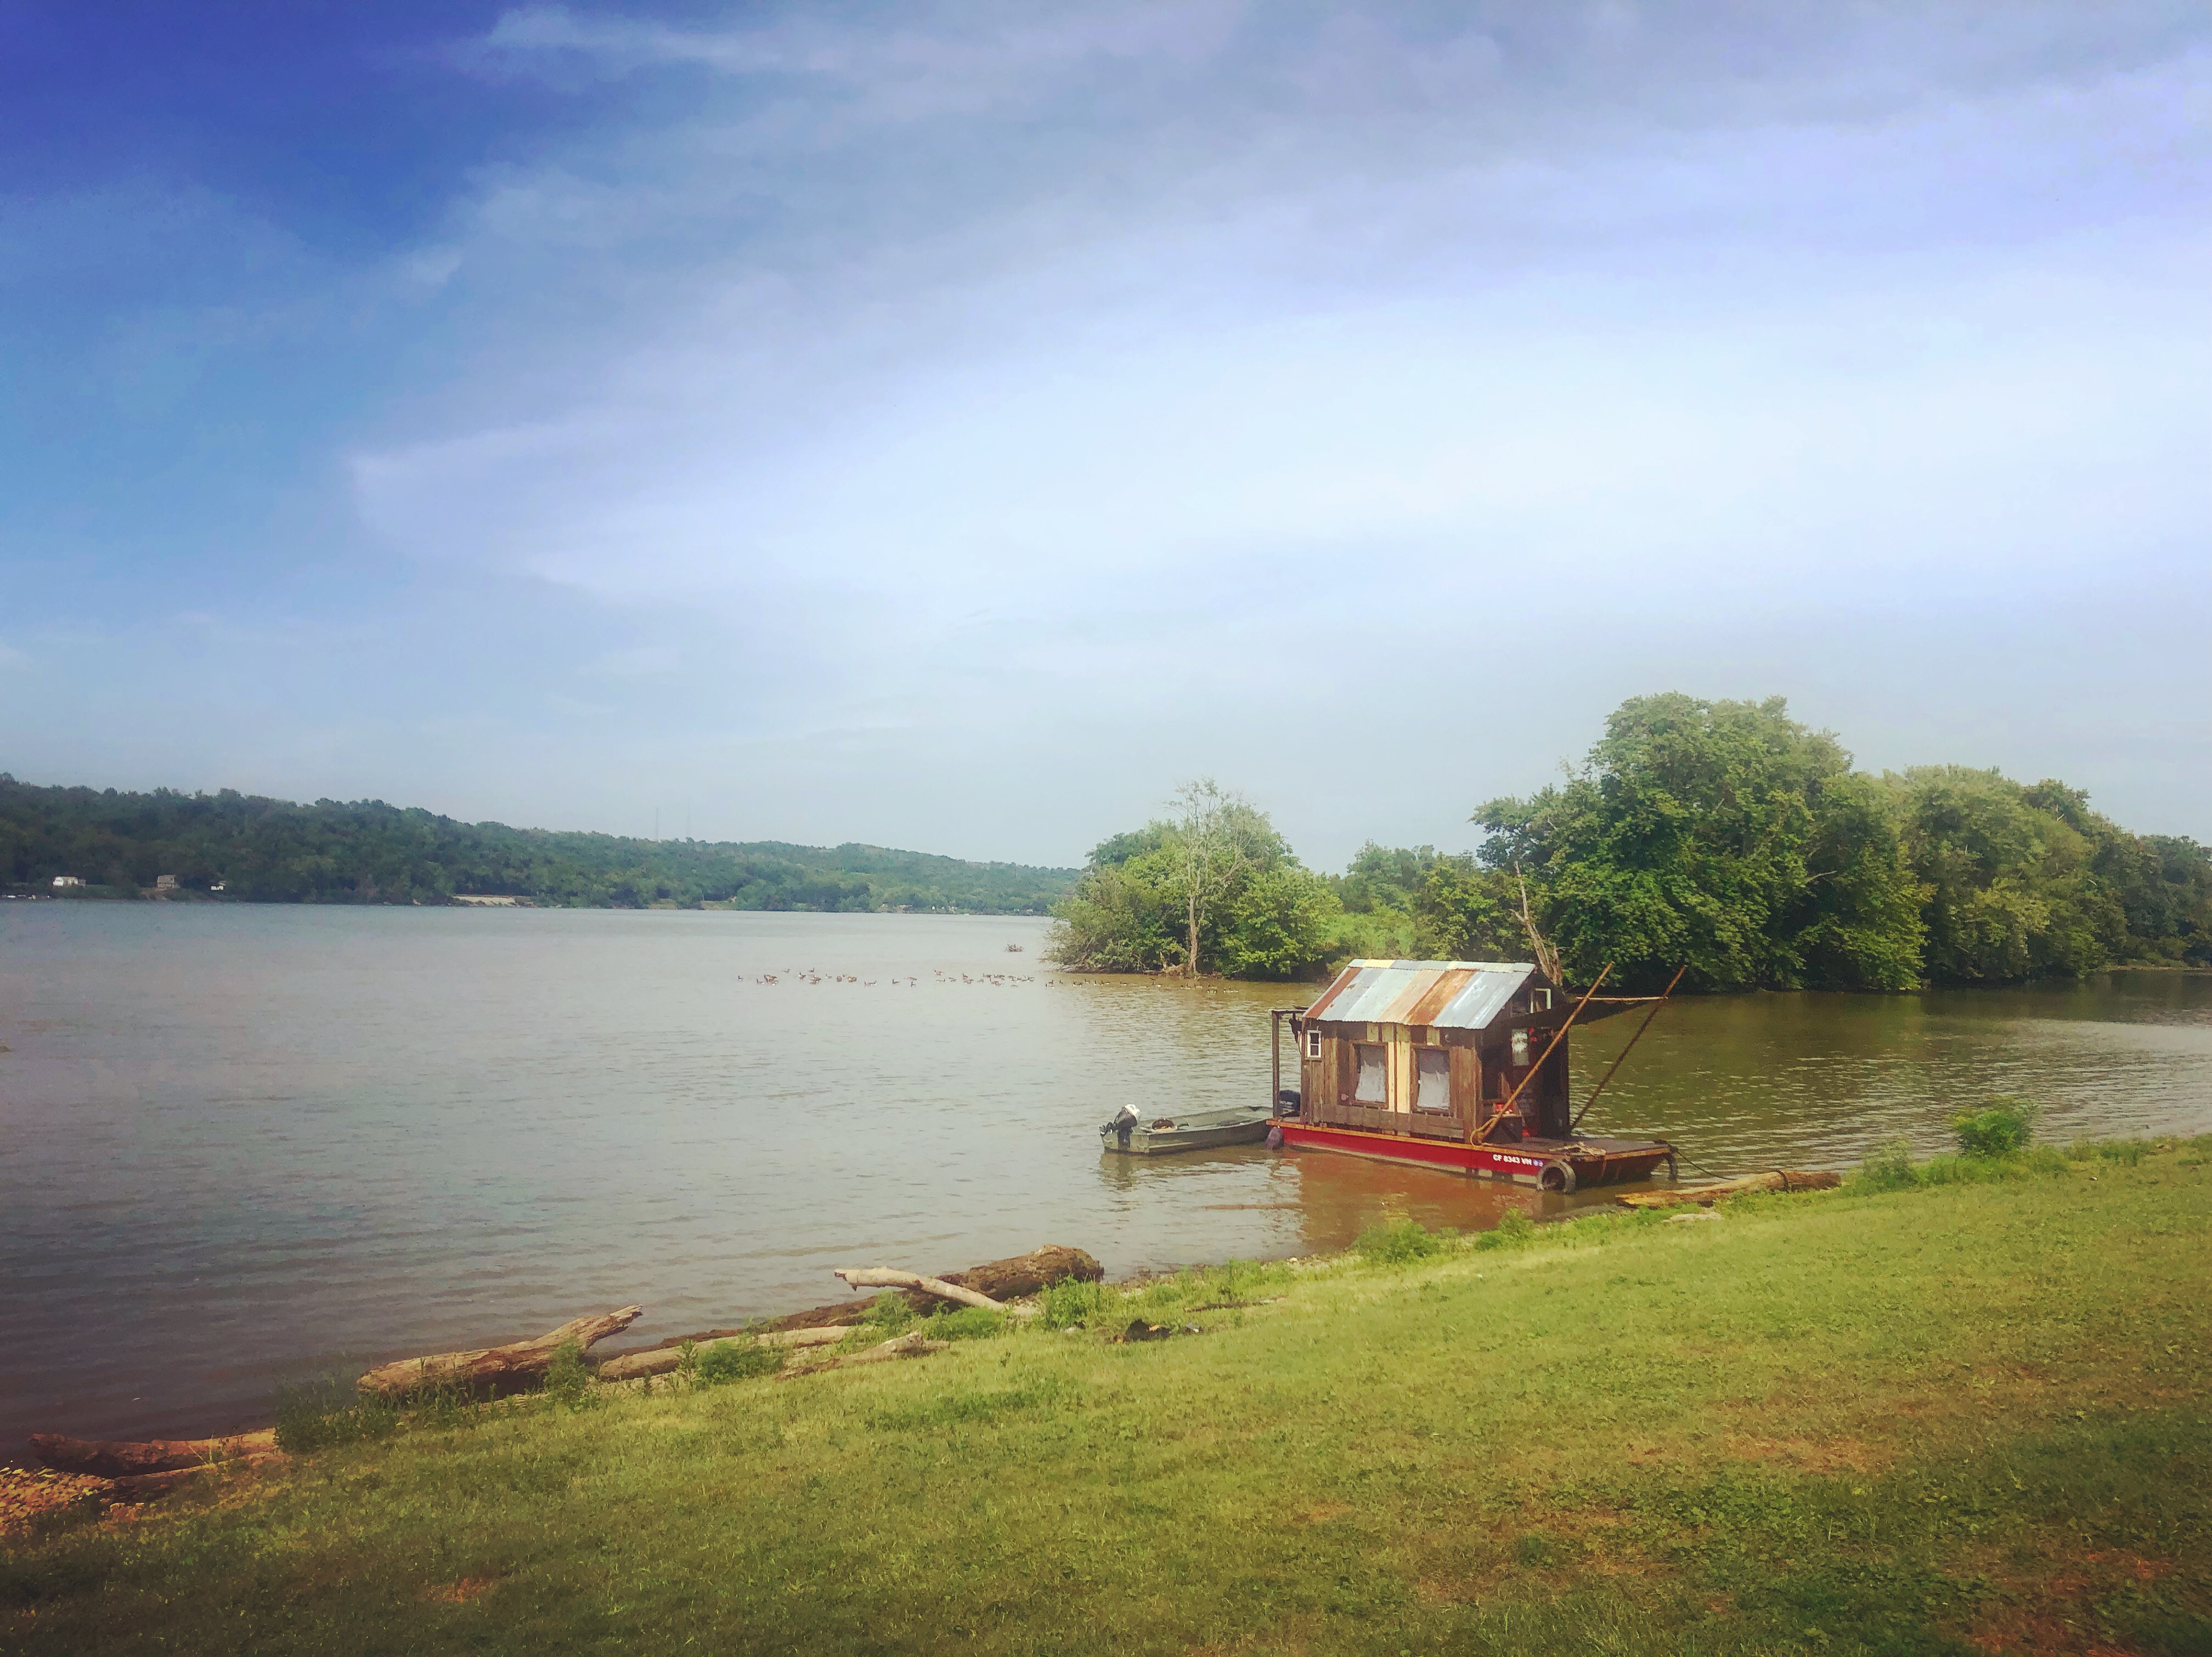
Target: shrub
[2001, 1130]
[886, 1315]
[446, 1406]
[568, 1380]
[1949, 1169]
[1513, 1229]
[1398, 1242]
[738, 1360]
[322, 1413]
[1889, 1167]
[1070, 1303]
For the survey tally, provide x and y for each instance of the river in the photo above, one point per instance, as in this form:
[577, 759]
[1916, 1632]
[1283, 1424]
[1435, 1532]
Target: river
[245, 1145]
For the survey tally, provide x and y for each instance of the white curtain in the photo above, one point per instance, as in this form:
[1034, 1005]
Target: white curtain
[1433, 1077]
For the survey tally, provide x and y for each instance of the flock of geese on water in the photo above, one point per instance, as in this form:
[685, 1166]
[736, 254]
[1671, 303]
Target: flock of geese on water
[810, 976]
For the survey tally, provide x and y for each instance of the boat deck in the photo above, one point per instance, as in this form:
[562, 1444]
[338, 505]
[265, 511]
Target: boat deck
[1550, 1164]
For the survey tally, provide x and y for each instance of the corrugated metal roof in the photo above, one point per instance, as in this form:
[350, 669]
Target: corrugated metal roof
[1462, 995]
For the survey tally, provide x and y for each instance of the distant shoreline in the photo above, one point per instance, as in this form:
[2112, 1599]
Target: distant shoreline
[491, 900]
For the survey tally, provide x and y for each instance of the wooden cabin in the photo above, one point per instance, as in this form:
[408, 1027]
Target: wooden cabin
[1434, 1047]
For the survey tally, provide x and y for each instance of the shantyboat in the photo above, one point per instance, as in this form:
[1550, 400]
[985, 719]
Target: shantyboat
[1455, 1064]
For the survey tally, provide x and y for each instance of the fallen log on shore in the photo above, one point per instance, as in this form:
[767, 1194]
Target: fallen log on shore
[665, 1360]
[883, 1277]
[1001, 1280]
[1022, 1274]
[914, 1345]
[1774, 1180]
[495, 1369]
[139, 1458]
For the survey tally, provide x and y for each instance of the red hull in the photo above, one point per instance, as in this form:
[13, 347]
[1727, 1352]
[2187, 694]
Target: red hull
[1556, 1165]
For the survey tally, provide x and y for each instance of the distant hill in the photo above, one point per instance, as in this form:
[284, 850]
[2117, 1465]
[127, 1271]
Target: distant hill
[273, 851]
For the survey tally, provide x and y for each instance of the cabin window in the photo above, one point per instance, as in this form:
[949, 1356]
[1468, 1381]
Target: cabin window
[1373, 1089]
[1520, 1046]
[1431, 1079]
[1313, 1041]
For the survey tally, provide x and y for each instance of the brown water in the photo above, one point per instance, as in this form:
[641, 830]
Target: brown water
[245, 1145]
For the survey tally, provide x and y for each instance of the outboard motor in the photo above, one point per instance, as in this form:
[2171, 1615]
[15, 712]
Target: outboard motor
[1288, 1102]
[1124, 1120]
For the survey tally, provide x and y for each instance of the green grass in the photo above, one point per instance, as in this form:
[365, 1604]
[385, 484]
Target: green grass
[1946, 1418]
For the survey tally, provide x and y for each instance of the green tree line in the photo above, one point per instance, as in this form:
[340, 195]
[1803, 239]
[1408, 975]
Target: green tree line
[367, 852]
[1721, 835]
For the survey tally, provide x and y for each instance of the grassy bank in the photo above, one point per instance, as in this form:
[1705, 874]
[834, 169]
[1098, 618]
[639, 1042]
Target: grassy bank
[1948, 1417]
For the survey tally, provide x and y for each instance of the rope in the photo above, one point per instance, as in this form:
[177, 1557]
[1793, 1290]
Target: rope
[1699, 1167]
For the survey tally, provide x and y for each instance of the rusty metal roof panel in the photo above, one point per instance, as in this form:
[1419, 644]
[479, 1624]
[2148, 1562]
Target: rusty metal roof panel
[1485, 997]
[1441, 988]
[1342, 983]
[1443, 994]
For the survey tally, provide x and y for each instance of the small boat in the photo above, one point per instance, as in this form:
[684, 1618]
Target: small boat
[1188, 1130]
[1453, 1064]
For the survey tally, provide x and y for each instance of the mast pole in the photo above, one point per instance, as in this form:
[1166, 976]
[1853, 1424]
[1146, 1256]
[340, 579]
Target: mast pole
[1558, 1036]
[1623, 1054]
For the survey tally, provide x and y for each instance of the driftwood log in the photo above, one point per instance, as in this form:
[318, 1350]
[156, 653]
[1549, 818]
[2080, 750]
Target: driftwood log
[914, 1345]
[1001, 1280]
[129, 1459]
[883, 1277]
[1023, 1274]
[665, 1360]
[496, 1368]
[1777, 1180]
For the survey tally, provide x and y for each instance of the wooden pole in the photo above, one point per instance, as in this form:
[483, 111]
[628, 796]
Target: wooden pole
[1623, 1054]
[1558, 1035]
[1275, 1053]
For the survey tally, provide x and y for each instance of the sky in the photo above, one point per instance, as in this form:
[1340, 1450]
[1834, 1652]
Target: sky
[954, 427]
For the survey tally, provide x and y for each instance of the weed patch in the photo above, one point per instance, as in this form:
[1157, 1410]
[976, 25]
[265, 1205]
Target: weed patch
[964, 1323]
[318, 1414]
[740, 1358]
[1889, 1169]
[2002, 1129]
[1399, 1243]
[1514, 1230]
[1071, 1304]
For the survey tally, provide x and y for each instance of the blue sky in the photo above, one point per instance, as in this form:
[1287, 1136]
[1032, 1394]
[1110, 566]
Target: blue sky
[954, 427]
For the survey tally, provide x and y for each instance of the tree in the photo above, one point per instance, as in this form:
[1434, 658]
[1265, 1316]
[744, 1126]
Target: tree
[2013, 891]
[1218, 837]
[1722, 835]
[1219, 875]
[1463, 912]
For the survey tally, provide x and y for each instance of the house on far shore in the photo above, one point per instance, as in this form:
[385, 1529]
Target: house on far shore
[165, 884]
[61, 881]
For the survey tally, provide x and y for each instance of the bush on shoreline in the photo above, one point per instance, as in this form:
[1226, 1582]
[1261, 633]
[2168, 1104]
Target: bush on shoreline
[1995, 1143]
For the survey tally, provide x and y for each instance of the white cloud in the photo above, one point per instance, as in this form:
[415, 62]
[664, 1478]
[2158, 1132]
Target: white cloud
[1596, 358]
[956, 374]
